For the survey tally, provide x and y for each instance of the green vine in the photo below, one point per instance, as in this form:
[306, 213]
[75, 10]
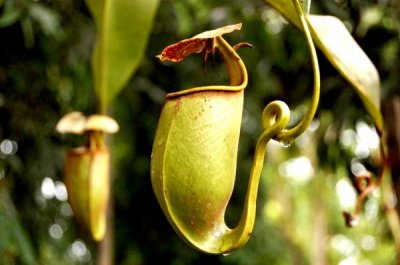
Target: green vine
[288, 135]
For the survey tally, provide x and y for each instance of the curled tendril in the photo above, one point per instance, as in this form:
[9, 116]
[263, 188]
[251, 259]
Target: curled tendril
[365, 184]
[275, 118]
[287, 135]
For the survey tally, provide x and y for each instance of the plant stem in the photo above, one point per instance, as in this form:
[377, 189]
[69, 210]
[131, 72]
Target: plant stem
[290, 134]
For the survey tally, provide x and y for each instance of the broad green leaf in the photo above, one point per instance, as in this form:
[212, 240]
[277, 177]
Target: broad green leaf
[334, 40]
[338, 45]
[123, 31]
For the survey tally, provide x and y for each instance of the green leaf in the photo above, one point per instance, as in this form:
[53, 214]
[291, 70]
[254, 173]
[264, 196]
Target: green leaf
[343, 52]
[334, 40]
[123, 31]
[286, 8]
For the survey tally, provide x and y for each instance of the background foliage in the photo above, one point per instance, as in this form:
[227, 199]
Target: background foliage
[45, 72]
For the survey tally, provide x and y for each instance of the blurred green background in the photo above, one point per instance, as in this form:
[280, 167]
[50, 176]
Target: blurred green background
[45, 50]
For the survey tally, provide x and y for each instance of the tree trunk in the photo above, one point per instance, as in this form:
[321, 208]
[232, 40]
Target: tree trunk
[391, 111]
[392, 120]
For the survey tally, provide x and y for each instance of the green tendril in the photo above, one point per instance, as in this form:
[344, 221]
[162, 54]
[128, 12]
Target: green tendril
[288, 135]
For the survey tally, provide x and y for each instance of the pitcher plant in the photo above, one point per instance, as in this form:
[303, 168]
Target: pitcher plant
[194, 156]
[87, 170]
